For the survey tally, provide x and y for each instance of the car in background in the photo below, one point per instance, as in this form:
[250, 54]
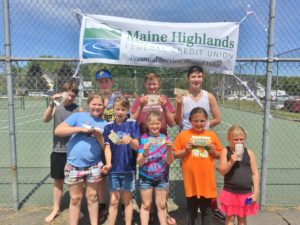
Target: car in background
[35, 93]
[279, 100]
[292, 105]
[231, 97]
[247, 98]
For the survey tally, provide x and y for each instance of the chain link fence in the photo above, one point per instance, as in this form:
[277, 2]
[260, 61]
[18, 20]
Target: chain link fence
[51, 30]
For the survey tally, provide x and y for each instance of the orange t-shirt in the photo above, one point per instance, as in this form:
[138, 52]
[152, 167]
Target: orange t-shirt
[198, 167]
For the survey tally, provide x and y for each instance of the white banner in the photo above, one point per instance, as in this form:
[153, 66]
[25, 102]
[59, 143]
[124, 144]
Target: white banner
[116, 40]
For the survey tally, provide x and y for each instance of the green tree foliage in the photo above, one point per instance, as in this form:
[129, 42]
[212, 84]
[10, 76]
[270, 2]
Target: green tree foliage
[35, 80]
[64, 73]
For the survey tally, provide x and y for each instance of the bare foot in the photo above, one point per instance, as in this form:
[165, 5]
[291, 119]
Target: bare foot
[52, 216]
[170, 220]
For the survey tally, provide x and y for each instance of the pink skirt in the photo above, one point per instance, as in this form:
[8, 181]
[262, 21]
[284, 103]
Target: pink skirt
[233, 204]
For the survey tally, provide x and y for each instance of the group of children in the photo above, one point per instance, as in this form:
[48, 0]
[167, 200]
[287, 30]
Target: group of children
[106, 143]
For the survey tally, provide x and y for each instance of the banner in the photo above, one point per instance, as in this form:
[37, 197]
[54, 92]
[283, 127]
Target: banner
[116, 40]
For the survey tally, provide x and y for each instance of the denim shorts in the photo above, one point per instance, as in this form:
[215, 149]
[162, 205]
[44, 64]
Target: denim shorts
[121, 181]
[145, 184]
[74, 175]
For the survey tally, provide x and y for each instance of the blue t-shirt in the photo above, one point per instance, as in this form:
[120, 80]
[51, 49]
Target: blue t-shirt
[84, 149]
[155, 167]
[123, 157]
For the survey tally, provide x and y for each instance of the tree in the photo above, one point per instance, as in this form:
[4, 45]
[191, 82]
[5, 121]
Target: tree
[64, 74]
[35, 80]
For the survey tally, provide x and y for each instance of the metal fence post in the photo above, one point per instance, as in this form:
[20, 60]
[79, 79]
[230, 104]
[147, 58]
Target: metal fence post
[12, 132]
[265, 146]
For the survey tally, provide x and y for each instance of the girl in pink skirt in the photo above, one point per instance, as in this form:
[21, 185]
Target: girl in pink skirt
[241, 179]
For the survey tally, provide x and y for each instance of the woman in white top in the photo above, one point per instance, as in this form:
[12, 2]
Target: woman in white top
[197, 97]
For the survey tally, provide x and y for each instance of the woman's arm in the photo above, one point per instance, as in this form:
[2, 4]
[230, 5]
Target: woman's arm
[255, 175]
[64, 130]
[178, 109]
[224, 165]
[215, 111]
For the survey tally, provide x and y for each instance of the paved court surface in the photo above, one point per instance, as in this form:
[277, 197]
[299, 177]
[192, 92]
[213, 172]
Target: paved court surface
[35, 216]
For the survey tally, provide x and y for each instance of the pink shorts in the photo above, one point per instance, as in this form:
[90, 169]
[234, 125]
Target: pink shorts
[74, 175]
[233, 204]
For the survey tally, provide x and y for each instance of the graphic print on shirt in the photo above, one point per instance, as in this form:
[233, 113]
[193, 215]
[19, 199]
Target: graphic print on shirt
[199, 151]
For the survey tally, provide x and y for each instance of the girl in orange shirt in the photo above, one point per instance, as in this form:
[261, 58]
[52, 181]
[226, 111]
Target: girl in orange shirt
[198, 149]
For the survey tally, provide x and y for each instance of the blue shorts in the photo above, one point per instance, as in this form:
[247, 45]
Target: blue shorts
[121, 181]
[145, 184]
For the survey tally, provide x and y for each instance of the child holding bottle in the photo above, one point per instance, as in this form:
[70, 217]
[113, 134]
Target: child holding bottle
[241, 179]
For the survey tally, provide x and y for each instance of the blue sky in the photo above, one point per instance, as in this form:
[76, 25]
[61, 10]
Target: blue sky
[41, 27]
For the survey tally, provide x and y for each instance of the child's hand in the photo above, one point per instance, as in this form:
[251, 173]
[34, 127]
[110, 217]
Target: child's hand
[179, 99]
[146, 148]
[162, 100]
[106, 168]
[188, 146]
[87, 130]
[169, 144]
[212, 150]
[56, 96]
[234, 157]
[97, 131]
[144, 101]
[126, 140]
[254, 197]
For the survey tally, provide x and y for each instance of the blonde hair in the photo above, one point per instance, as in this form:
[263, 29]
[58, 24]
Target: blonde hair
[123, 101]
[92, 96]
[235, 130]
[152, 76]
[152, 114]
